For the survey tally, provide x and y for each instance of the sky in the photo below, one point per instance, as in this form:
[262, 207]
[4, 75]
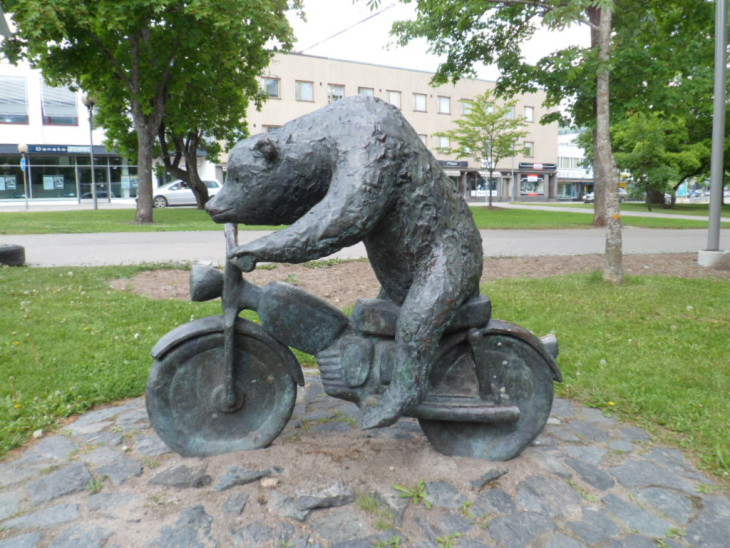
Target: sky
[370, 42]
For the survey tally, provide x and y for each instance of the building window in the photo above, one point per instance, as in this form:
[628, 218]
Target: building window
[304, 91]
[510, 114]
[466, 107]
[444, 105]
[394, 98]
[529, 114]
[335, 92]
[529, 149]
[13, 101]
[423, 138]
[59, 106]
[271, 87]
[443, 142]
[365, 91]
[419, 102]
[268, 129]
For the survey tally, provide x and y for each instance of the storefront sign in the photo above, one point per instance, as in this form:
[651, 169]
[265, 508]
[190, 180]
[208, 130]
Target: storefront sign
[538, 166]
[60, 149]
[453, 163]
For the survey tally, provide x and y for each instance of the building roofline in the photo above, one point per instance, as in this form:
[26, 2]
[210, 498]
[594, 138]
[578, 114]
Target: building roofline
[376, 65]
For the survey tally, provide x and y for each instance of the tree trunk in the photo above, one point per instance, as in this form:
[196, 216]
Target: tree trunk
[599, 182]
[144, 174]
[613, 259]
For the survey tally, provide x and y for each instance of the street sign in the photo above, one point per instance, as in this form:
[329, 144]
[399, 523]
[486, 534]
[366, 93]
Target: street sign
[23, 163]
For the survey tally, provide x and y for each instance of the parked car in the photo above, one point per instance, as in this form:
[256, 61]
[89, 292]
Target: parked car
[179, 193]
[100, 193]
[591, 197]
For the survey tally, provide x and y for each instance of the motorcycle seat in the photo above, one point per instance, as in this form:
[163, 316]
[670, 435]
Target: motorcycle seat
[379, 317]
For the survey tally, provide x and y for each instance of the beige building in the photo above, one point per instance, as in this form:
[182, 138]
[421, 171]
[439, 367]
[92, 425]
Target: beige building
[298, 84]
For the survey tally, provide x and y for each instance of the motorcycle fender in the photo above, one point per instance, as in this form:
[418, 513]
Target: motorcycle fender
[512, 330]
[214, 324]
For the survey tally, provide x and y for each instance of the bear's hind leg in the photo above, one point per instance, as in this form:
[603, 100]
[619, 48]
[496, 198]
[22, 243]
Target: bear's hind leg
[430, 305]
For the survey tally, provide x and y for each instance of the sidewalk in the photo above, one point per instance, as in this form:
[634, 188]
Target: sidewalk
[119, 248]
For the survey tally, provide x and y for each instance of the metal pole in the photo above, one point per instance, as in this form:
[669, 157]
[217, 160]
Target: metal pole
[25, 180]
[717, 168]
[23, 149]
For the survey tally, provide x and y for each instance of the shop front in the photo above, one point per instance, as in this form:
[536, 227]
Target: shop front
[536, 182]
[64, 172]
[474, 183]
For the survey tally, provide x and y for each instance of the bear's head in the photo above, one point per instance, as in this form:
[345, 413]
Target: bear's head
[271, 182]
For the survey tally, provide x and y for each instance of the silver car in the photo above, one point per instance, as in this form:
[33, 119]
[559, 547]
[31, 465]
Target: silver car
[179, 193]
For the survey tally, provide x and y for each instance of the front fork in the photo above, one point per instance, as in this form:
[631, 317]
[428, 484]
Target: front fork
[231, 400]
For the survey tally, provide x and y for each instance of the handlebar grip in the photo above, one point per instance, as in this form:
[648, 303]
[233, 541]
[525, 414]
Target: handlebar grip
[246, 262]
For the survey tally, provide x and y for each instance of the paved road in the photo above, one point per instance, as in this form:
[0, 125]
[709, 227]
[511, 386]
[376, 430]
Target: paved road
[190, 247]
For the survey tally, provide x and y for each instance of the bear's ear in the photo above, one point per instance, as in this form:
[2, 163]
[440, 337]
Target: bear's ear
[267, 148]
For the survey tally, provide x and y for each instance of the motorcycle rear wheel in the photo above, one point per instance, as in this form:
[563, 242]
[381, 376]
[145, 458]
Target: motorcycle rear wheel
[185, 393]
[518, 375]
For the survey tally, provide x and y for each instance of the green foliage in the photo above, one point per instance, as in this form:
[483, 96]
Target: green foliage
[416, 494]
[657, 151]
[486, 132]
[190, 65]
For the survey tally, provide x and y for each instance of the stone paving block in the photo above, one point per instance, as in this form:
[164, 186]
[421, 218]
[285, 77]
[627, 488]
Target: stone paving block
[711, 529]
[237, 475]
[44, 519]
[492, 501]
[69, 479]
[192, 529]
[590, 455]
[635, 541]
[118, 506]
[559, 540]
[634, 433]
[637, 518]
[120, 470]
[78, 536]
[9, 504]
[520, 529]
[151, 445]
[236, 503]
[549, 496]
[592, 475]
[183, 477]
[29, 540]
[595, 527]
[342, 525]
[53, 449]
[667, 502]
[635, 473]
[589, 432]
[444, 494]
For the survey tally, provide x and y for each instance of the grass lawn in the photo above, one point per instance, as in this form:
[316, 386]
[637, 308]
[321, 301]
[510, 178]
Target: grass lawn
[105, 220]
[653, 351]
[170, 219]
[700, 210]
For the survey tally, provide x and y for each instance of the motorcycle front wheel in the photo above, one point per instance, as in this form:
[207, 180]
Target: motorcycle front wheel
[186, 393]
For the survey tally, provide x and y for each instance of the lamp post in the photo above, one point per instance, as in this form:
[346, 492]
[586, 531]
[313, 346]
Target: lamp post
[23, 149]
[89, 102]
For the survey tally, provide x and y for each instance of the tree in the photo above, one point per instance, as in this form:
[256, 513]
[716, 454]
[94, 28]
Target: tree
[486, 133]
[492, 32]
[657, 151]
[189, 64]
